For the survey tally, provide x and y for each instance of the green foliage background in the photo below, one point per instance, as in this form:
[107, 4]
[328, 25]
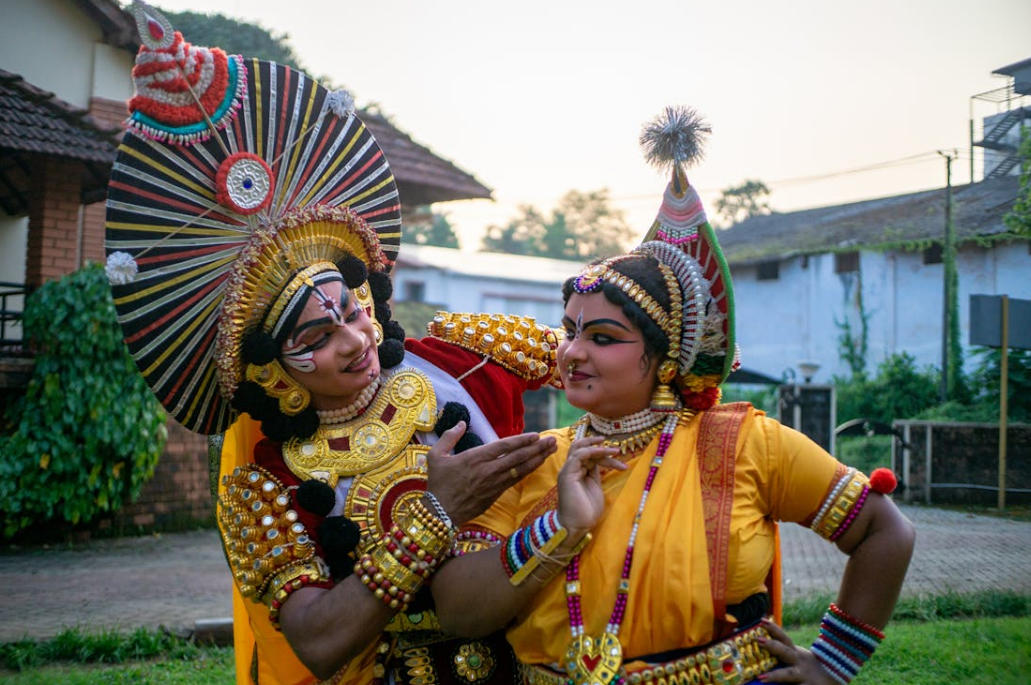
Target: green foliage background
[88, 432]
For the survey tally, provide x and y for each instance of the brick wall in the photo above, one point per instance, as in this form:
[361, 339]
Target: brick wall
[53, 240]
[179, 494]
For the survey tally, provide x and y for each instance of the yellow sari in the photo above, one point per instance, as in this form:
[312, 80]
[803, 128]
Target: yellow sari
[779, 475]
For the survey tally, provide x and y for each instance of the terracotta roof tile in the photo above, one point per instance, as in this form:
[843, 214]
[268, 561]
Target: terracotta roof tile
[422, 176]
[34, 120]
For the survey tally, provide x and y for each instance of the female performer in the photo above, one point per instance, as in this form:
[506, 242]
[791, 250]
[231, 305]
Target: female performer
[661, 505]
[252, 222]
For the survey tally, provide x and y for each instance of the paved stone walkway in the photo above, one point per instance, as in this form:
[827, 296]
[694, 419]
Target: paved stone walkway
[177, 580]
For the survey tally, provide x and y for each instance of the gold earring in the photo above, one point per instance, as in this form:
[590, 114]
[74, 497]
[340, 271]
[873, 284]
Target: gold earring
[663, 399]
[277, 383]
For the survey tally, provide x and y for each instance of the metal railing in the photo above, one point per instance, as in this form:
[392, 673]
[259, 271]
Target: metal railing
[12, 304]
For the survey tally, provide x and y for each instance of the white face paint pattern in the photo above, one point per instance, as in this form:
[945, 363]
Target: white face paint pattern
[299, 355]
[580, 323]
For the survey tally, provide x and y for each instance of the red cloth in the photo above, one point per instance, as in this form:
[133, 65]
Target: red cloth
[498, 392]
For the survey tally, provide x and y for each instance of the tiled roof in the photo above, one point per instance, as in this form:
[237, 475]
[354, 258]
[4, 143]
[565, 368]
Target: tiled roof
[35, 122]
[911, 219]
[422, 176]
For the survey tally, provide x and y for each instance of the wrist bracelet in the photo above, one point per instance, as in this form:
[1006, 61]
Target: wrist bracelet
[845, 643]
[438, 508]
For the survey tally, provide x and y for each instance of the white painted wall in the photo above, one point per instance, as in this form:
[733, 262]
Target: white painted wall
[486, 282]
[52, 44]
[792, 319]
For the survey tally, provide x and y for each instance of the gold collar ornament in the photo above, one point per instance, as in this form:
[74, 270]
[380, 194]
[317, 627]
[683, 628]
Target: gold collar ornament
[404, 404]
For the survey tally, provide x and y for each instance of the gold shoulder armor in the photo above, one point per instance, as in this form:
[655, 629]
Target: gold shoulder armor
[269, 550]
[517, 343]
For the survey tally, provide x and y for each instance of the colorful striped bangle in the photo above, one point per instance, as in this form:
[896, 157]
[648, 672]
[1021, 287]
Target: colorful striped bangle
[845, 643]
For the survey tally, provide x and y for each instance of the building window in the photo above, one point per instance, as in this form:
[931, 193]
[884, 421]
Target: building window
[415, 291]
[767, 271]
[846, 262]
[933, 255]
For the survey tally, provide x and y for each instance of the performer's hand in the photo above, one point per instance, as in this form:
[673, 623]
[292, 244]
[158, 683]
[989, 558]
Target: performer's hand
[468, 483]
[798, 665]
[581, 501]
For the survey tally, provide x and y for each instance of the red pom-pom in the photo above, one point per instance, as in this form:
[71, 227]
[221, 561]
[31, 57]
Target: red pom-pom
[883, 481]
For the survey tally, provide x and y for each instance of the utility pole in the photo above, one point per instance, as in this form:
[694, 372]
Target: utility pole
[948, 264]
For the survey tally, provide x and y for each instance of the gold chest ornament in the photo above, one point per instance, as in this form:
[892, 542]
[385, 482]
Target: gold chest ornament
[405, 404]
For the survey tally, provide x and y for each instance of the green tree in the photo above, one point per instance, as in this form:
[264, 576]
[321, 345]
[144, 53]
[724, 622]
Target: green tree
[88, 432]
[582, 226]
[738, 203]
[424, 227]
[1018, 220]
[234, 36]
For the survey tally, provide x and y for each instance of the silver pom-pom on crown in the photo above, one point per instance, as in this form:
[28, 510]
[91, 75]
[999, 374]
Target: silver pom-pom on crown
[120, 268]
[341, 103]
[675, 139]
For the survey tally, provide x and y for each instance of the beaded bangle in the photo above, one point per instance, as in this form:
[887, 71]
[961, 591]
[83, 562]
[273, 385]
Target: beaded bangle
[837, 507]
[438, 508]
[427, 530]
[845, 643]
[381, 586]
[475, 540]
[290, 579]
[851, 515]
[524, 550]
[409, 553]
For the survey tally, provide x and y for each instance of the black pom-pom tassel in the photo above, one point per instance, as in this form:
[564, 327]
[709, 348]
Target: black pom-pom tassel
[353, 270]
[468, 441]
[258, 348]
[393, 330]
[316, 497]
[381, 286]
[450, 415]
[391, 353]
[339, 536]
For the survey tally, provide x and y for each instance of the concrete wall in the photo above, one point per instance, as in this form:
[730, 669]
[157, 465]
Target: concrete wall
[793, 318]
[54, 45]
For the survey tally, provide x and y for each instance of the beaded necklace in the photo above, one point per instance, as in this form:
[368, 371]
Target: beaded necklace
[630, 423]
[593, 660]
[330, 417]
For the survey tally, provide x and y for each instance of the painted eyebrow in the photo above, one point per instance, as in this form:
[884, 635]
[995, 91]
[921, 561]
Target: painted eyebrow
[311, 324]
[595, 322]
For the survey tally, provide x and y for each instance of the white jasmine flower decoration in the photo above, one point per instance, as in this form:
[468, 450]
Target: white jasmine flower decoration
[341, 103]
[120, 268]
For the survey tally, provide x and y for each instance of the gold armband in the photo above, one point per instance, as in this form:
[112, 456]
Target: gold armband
[517, 343]
[839, 504]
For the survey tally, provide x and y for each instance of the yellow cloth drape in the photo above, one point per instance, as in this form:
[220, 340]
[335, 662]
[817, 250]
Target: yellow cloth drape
[780, 475]
[277, 664]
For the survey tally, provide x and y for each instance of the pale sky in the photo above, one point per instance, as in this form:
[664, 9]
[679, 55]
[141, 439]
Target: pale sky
[538, 97]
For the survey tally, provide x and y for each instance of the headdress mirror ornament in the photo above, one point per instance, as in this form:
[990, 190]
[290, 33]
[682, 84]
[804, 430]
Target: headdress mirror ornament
[233, 175]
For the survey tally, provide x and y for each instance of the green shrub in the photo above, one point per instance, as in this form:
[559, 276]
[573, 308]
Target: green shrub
[865, 453]
[88, 432]
[899, 391]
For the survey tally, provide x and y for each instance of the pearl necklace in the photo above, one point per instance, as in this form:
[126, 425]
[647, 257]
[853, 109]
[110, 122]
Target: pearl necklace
[599, 659]
[329, 417]
[631, 423]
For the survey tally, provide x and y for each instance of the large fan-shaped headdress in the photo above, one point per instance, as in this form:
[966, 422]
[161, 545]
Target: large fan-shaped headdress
[233, 175]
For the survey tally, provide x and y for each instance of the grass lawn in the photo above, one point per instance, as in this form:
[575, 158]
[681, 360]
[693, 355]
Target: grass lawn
[969, 639]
